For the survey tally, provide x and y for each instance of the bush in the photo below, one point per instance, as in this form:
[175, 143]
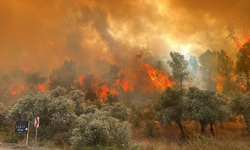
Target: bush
[100, 128]
[117, 110]
[149, 128]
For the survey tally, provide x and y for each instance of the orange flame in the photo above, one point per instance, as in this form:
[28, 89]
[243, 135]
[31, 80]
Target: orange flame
[238, 43]
[220, 81]
[159, 80]
[42, 88]
[105, 91]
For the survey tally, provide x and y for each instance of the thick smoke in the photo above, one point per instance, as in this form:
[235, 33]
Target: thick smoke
[37, 36]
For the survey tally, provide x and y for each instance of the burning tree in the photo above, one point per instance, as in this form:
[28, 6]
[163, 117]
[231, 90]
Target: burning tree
[179, 68]
[63, 76]
[225, 67]
[243, 64]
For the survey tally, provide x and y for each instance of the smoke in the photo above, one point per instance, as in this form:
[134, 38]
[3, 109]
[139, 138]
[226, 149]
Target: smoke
[39, 35]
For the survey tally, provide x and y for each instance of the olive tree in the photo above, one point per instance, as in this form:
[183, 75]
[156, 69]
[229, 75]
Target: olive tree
[240, 105]
[206, 107]
[56, 112]
[3, 119]
[100, 128]
[169, 107]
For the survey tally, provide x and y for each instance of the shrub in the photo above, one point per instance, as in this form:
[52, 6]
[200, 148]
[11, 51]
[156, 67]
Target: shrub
[117, 110]
[100, 128]
[149, 128]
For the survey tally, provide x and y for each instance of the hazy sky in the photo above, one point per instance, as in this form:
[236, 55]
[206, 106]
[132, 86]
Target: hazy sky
[41, 34]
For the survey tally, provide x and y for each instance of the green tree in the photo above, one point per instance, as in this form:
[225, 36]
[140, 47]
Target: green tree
[100, 128]
[225, 67]
[240, 105]
[56, 112]
[63, 76]
[179, 68]
[170, 107]
[243, 64]
[208, 69]
[206, 107]
[3, 122]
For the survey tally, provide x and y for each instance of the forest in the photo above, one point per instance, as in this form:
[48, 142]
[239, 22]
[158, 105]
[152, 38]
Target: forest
[206, 98]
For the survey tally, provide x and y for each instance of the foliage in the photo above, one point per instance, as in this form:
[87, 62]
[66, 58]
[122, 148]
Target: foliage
[56, 112]
[243, 64]
[205, 107]
[149, 128]
[3, 120]
[63, 76]
[241, 106]
[225, 68]
[170, 106]
[179, 68]
[79, 98]
[117, 110]
[208, 61]
[100, 128]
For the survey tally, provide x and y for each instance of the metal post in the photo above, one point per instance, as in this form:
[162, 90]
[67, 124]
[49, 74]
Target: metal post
[28, 134]
[36, 138]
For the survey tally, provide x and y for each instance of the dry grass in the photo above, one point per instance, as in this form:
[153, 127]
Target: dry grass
[232, 136]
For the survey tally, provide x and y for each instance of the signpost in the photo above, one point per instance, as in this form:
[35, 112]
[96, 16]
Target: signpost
[36, 125]
[22, 127]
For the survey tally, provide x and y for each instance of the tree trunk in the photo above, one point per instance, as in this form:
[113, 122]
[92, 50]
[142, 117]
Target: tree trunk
[248, 126]
[247, 75]
[212, 129]
[203, 126]
[181, 128]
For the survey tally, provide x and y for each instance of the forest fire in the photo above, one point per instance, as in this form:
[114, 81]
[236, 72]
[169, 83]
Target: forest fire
[240, 44]
[159, 80]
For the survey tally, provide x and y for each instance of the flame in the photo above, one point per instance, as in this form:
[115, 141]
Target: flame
[42, 88]
[125, 84]
[238, 43]
[105, 91]
[80, 79]
[14, 90]
[159, 80]
[220, 81]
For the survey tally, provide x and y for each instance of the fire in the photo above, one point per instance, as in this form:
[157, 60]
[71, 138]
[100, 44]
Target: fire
[17, 89]
[125, 84]
[238, 43]
[159, 80]
[220, 81]
[105, 91]
[42, 88]
[80, 79]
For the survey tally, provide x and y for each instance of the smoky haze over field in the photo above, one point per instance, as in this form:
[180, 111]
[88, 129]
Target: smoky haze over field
[37, 36]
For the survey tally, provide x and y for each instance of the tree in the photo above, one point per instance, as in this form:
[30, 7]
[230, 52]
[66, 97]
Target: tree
[169, 107]
[56, 112]
[63, 76]
[193, 68]
[179, 68]
[34, 79]
[205, 107]
[79, 99]
[100, 128]
[208, 69]
[225, 67]
[3, 122]
[240, 105]
[243, 64]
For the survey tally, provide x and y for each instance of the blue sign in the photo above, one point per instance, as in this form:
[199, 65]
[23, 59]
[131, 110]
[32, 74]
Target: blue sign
[22, 127]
